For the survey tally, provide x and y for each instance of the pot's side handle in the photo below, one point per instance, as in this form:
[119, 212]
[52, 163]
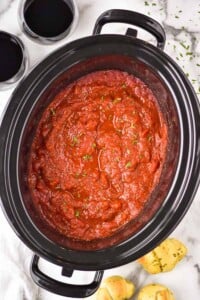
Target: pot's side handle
[61, 288]
[133, 18]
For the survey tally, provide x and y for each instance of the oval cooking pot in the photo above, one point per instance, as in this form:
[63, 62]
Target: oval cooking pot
[180, 176]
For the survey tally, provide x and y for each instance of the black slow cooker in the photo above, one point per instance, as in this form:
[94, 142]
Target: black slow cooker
[180, 176]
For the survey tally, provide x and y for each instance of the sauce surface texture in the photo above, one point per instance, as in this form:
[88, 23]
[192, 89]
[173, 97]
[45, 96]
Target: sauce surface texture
[97, 155]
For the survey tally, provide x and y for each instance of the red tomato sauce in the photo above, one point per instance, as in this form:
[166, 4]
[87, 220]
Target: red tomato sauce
[97, 155]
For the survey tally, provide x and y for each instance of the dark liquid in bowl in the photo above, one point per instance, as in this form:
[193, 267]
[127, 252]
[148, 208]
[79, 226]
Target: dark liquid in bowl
[10, 57]
[48, 18]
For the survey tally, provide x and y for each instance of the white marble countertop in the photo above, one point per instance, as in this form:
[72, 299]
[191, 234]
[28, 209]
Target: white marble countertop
[181, 21]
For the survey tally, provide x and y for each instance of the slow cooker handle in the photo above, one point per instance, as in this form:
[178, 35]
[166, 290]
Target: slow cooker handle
[133, 18]
[61, 288]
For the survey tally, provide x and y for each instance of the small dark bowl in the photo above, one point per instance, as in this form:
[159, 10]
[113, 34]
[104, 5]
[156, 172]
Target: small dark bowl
[21, 55]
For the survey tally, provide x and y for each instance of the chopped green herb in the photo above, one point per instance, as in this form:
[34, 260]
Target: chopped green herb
[184, 46]
[198, 65]
[189, 53]
[180, 11]
[77, 213]
[124, 85]
[132, 125]
[128, 165]
[161, 9]
[58, 187]
[117, 100]
[84, 174]
[119, 131]
[177, 58]
[181, 55]
[78, 175]
[146, 3]
[153, 4]
[74, 140]
[87, 157]
[52, 111]
[149, 137]
[177, 17]
[135, 141]
[187, 74]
